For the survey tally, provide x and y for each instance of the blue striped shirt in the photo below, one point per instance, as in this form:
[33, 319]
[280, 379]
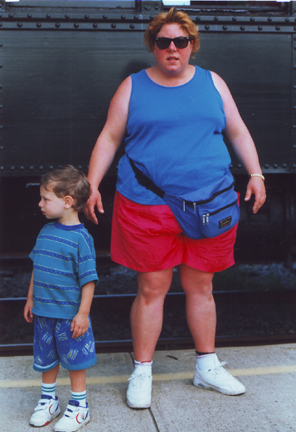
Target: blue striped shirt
[64, 260]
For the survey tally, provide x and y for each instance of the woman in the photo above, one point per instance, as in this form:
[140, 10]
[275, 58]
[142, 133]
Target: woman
[171, 117]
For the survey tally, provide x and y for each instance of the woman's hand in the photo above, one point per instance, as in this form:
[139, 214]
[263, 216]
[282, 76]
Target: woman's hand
[256, 186]
[95, 200]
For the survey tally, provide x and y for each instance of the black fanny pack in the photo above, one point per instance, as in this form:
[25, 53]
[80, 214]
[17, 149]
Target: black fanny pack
[197, 216]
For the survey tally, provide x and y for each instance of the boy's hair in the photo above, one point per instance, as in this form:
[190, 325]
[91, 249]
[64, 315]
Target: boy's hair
[68, 180]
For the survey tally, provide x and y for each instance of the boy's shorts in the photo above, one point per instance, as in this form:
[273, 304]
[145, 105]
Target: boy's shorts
[53, 343]
[148, 238]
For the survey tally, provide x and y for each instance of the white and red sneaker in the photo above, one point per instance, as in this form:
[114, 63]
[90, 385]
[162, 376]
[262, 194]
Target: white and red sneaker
[74, 418]
[46, 410]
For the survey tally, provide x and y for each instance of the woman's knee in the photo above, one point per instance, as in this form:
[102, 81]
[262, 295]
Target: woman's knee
[154, 285]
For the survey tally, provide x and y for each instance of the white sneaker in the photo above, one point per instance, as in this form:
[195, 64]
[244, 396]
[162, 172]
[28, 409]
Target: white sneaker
[139, 390]
[74, 418]
[218, 379]
[46, 410]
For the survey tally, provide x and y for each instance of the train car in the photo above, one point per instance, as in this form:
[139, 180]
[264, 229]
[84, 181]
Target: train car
[62, 61]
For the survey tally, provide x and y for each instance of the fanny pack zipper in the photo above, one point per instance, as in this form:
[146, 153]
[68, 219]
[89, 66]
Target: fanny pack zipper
[206, 216]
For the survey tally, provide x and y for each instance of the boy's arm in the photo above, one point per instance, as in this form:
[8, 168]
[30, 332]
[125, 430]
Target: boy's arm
[28, 315]
[80, 322]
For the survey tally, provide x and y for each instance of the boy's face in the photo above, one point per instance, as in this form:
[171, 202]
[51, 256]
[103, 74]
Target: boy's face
[51, 206]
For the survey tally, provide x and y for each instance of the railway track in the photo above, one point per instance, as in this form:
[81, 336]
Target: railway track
[244, 319]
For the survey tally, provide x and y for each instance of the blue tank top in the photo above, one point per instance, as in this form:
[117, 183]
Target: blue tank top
[174, 135]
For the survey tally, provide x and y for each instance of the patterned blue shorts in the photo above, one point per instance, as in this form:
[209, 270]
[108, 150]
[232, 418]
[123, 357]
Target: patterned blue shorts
[53, 343]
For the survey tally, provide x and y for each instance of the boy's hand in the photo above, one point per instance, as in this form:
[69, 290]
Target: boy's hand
[28, 314]
[79, 325]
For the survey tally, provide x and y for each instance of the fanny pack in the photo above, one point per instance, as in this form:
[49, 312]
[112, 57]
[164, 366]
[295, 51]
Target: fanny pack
[197, 216]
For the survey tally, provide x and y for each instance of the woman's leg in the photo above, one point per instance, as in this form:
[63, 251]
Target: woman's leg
[200, 307]
[147, 312]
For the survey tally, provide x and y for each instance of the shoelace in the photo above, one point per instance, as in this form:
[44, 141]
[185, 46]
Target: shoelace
[138, 378]
[219, 369]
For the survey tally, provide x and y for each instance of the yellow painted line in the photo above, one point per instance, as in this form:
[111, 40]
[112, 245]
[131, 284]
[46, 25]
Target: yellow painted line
[116, 379]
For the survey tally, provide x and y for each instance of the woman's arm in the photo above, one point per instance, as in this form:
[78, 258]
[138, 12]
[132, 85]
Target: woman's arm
[242, 143]
[106, 146]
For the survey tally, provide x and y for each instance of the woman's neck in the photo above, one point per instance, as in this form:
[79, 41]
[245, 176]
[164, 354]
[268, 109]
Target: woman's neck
[170, 80]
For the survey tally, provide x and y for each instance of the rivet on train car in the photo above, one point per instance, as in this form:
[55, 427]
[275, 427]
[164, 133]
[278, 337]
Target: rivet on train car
[48, 16]
[294, 166]
[132, 26]
[22, 167]
[10, 16]
[57, 25]
[2, 168]
[252, 19]
[1, 148]
[147, 8]
[269, 19]
[123, 17]
[113, 25]
[294, 126]
[136, 17]
[275, 166]
[76, 25]
[284, 165]
[1, 106]
[239, 165]
[86, 16]
[260, 28]
[31, 167]
[207, 27]
[242, 27]
[197, 19]
[294, 87]
[287, 20]
[67, 16]
[266, 166]
[216, 18]
[294, 107]
[38, 25]
[234, 19]
[277, 28]
[19, 25]
[12, 168]
[105, 17]
[151, 17]
[41, 167]
[29, 15]
[225, 27]
[95, 25]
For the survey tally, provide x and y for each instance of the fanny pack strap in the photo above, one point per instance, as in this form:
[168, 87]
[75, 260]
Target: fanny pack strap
[144, 180]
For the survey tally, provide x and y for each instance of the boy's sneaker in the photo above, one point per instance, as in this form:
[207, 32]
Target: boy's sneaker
[218, 379]
[139, 390]
[46, 410]
[74, 418]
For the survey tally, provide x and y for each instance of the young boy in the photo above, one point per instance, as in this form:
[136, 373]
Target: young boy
[60, 295]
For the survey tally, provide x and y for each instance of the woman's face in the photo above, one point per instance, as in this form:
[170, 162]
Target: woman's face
[172, 60]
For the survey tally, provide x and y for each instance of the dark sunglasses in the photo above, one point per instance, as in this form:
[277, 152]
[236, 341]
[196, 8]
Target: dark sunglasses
[180, 42]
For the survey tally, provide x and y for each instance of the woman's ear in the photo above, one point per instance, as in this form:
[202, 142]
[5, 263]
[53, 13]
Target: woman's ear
[68, 201]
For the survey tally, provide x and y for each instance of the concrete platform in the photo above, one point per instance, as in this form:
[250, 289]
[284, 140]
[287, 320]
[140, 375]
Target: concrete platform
[268, 372]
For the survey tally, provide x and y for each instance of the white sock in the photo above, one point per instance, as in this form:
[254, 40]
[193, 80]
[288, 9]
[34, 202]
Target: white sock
[145, 367]
[207, 361]
[49, 389]
[80, 397]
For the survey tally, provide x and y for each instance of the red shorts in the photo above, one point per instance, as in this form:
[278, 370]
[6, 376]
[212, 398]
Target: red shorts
[148, 238]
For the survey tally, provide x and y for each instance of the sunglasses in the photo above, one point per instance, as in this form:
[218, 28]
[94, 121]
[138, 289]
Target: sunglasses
[180, 42]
